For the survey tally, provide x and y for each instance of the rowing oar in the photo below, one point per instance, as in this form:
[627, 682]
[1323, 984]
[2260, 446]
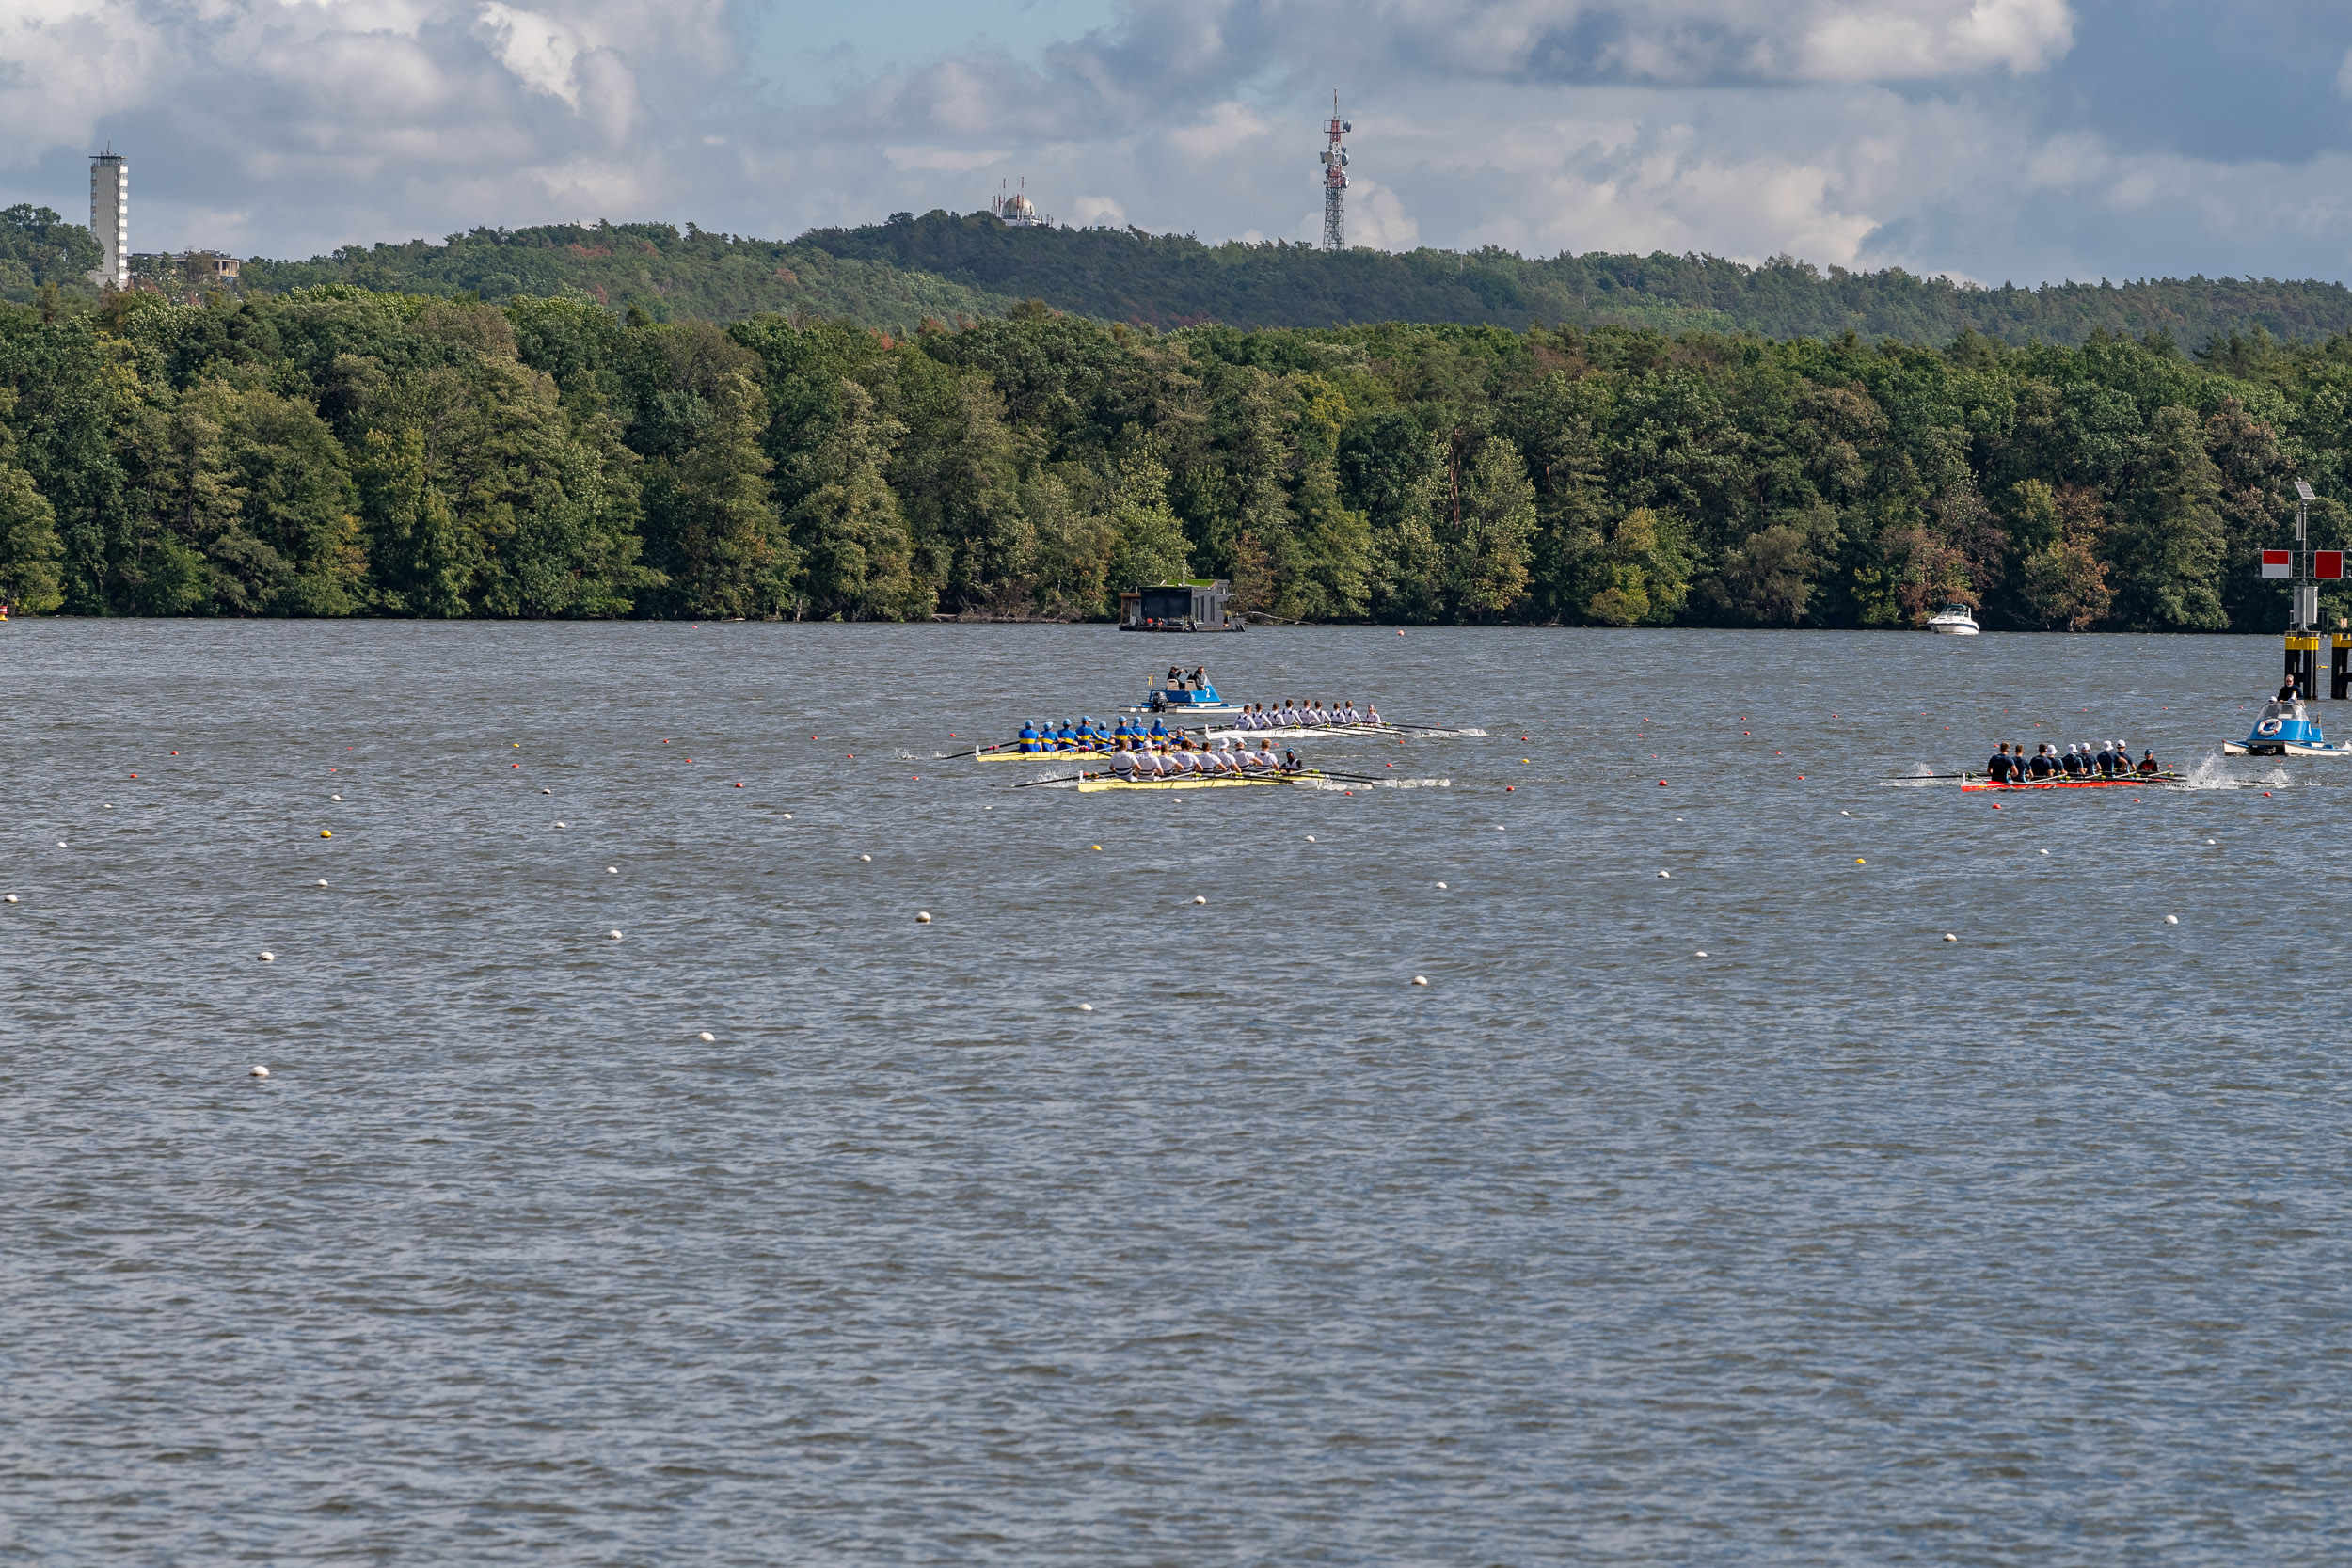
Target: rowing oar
[1072, 779]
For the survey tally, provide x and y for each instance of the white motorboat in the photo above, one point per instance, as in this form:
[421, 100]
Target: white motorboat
[1956, 620]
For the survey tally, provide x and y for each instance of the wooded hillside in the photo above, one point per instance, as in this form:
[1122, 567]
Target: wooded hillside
[334, 451]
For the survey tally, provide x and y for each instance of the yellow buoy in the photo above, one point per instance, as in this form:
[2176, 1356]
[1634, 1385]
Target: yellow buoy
[1859, 860]
[323, 834]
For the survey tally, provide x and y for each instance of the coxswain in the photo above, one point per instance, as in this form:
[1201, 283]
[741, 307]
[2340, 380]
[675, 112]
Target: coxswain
[2147, 763]
[1291, 762]
[1372, 713]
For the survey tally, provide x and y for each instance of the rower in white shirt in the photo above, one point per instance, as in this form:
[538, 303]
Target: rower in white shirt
[1265, 759]
[1123, 760]
[1349, 714]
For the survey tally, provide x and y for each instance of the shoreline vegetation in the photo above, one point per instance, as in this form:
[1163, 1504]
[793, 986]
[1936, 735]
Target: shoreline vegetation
[334, 450]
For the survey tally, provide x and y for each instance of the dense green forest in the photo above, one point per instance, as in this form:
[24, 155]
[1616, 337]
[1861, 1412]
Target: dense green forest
[332, 450]
[1169, 281]
[896, 273]
[892, 275]
[649, 266]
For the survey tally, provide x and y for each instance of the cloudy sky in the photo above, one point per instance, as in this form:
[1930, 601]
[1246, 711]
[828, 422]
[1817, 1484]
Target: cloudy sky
[1993, 139]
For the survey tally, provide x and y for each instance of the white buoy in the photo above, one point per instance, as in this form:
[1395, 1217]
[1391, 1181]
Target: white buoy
[11, 898]
[334, 797]
[321, 881]
[269, 957]
[1700, 953]
[922, 917]
[2209, 841]
[1086, 1006]
[1498, 827]
[2045, 852]
[1665, 875]
[1950, 937]
[2171, 920]
[1420, 980]
[787, 816]
[707, 1037]
[1441, 887]
[109, 806]
[613, 870]
[1198, 898]
[61, 844]
[867, 860]
[547, 792]
[257, 1072]
[562, 824]
[1311, 838]
[614, 936]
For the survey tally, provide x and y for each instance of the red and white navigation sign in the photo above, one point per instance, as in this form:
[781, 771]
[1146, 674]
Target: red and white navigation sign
[2328, 565]
[2279, 563]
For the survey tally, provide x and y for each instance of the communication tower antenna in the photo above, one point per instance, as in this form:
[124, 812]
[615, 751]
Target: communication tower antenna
[1335, 181]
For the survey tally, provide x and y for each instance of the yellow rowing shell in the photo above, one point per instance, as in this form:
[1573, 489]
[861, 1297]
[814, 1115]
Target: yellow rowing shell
[1194, 781]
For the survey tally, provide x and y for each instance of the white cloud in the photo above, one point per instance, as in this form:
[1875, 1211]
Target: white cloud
[539, 50]
[1940, 135]
[1227, 126]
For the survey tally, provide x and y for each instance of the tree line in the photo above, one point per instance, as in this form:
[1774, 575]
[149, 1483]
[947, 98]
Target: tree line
[334, 451]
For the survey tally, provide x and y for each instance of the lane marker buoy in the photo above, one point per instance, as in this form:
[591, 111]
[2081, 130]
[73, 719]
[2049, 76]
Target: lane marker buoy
[1950, 937]
[613, 870]
[1420, 980]
[11, 898]
[334, 797]
[1700, 953]
[323, 834]
[562, 824]
[2171, 920]
[1198, 898]
[268, 958]
[613, 936]
[867, 860]
[1441, 887]
[321, 881]
[707, 1037]
[1666, 874]
[257, 1072]
[922, 917]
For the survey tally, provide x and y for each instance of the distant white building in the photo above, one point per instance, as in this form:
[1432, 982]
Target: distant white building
[110, 217]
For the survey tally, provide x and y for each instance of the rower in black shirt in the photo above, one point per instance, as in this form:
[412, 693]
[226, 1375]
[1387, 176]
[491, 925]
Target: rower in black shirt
[1997, 768]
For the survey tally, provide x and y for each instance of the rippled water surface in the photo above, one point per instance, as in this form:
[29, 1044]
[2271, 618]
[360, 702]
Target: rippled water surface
[1840, 1243]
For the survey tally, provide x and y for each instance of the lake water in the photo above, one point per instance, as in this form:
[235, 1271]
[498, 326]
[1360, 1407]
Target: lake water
[1842, 1242]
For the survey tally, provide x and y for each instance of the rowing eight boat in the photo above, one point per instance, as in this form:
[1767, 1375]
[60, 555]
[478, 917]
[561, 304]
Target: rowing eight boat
[1089, 784]
[1010, 751]
[2137, 781]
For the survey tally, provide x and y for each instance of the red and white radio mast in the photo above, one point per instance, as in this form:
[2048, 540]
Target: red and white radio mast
[1335, 181]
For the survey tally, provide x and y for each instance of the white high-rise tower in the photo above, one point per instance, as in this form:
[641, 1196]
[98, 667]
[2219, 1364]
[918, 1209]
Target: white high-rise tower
[110, 217]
